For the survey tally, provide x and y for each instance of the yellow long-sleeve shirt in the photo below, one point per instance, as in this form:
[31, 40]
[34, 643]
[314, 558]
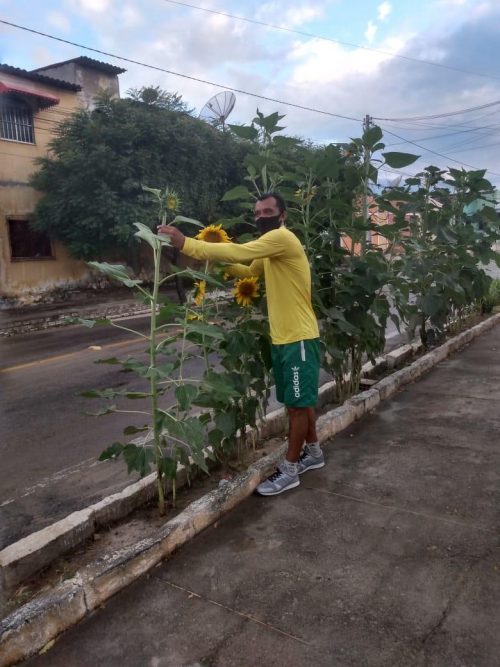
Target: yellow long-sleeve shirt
[280, 256]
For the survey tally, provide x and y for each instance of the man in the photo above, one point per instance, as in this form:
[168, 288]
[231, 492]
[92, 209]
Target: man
[278, 254]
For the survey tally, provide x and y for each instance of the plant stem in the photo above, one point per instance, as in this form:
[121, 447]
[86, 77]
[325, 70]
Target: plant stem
[153, 381]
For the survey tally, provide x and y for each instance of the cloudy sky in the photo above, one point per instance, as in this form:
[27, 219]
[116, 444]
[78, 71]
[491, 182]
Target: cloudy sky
[358, 57]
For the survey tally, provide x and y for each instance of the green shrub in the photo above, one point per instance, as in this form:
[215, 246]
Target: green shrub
[494, 293]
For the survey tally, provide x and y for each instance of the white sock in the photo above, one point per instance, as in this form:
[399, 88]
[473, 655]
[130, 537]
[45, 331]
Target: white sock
[314, 448]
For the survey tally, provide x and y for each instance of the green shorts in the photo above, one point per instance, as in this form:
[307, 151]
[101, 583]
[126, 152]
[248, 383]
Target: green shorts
[296, 372]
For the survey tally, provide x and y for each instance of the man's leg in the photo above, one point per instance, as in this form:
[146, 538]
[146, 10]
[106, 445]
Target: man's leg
[296, 370]
[311, 436]
[299, 430]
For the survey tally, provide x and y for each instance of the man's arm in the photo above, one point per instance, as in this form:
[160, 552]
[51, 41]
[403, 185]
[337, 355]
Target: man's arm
[269, 245]
[256, 268]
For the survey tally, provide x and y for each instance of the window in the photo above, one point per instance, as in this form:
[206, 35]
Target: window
[16, 120]
[26, 243]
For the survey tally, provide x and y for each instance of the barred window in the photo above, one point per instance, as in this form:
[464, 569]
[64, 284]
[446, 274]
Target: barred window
[16, 120]
[25, 243]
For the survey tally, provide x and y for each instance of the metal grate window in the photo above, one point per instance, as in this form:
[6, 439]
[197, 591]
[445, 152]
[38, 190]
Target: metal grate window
[16, 120]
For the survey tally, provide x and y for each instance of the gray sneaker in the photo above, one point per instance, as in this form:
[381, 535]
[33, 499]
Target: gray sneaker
[278, 482]
[309, 462]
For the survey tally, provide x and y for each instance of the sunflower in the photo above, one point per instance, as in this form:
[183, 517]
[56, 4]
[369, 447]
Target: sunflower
[213, 234]
[173, 202]
[194, 316]
[200, 292]
[245, 290]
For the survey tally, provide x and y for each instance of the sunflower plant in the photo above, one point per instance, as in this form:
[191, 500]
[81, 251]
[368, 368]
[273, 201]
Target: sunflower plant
[245, 360]
[172, 431]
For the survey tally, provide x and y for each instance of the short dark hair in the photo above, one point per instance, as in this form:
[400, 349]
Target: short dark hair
[280, 202]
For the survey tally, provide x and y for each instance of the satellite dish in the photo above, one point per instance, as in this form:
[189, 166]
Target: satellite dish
[218, 108]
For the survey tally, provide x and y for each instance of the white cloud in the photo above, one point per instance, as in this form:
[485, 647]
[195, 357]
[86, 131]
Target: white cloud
[370, 31]
[281, 13]
[94, 6]
[384, 10]
[319, 61]
[59, 20]
[130, 17]
[297, 16]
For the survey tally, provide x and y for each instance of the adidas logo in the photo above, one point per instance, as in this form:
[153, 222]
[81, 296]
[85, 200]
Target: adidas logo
[296, 381]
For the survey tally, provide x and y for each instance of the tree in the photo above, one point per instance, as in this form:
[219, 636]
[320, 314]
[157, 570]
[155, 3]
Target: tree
[156, 96]
[91, 183]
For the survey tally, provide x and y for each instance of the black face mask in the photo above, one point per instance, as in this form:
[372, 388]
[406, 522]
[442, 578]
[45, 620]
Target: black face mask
[265, 225]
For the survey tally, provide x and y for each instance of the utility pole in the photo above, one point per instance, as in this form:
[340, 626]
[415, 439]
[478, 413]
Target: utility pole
[367, 155]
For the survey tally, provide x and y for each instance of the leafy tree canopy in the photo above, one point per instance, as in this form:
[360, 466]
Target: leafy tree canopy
[91, 182]
[155, 96]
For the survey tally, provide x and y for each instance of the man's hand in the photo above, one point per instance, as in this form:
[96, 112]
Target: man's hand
[176, 236]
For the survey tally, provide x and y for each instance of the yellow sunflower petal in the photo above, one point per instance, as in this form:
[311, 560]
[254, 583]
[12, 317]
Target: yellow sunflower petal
[246, 290]
[213, 234]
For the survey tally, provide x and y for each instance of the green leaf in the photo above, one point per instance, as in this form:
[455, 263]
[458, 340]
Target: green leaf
[116, 271]
[112, 452]
[210, 330]
[215, 438]
[101, 393]
[372, 136]
[109, 360]
[191, 221]
[245, 131]
[152, 239]
[168, 467]
[239, 192]
[167, 313]
[219, 386]
[132, 430]
[138, 458]
[226, 422]
[105, 411]
[137, 394]
[153, 191]
[184, 395]
[90, 324]
[399, 160]
[431, 304]
[199, 275]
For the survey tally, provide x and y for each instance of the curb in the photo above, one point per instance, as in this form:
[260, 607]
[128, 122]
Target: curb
[28, 629]
[50, 321]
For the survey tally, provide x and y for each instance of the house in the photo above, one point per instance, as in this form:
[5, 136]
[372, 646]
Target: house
[32, 104]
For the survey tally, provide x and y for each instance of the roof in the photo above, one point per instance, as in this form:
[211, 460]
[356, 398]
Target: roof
[86, 62]
[41, 78]
[44, 100]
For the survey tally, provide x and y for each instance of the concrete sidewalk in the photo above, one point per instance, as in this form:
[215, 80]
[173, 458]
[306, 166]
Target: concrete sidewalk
[388, 556]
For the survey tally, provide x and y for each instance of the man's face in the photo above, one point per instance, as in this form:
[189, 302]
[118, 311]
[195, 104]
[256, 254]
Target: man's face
[267, 208]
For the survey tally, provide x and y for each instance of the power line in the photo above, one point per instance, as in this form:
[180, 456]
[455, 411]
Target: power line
[473, 148]
[440, 115]
[452, 134]
[428, 150]
[236, 90]
[328, 39]
[184, 76]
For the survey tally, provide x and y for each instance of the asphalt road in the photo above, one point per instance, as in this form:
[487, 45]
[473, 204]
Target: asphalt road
[48, 445]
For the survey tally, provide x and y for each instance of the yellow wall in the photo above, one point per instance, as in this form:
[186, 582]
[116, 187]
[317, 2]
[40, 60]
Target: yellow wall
[18, 199]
